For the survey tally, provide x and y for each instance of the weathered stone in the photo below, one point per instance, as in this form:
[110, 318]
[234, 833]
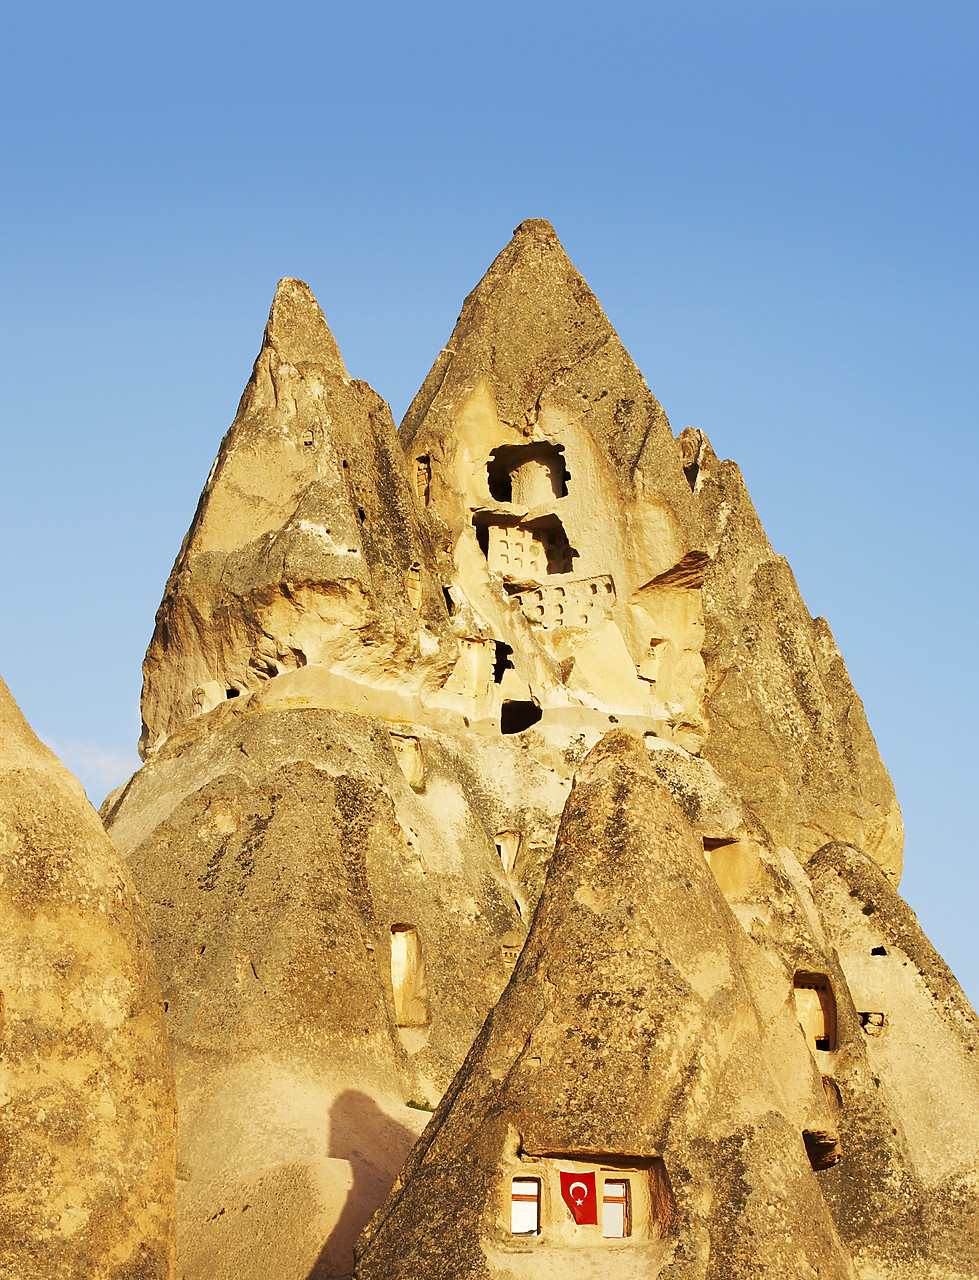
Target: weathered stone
[303, 546]
[922, 1042]
[642, 1039]
[336, 859]
[787, 727]
[377, 666]
[553, 468]
[284, 856]
[533, 364]
[87, 1116]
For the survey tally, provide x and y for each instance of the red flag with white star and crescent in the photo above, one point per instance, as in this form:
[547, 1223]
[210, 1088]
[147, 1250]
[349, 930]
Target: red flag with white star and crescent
[579, 1194]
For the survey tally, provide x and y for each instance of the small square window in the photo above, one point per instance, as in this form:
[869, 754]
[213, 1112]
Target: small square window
[525, 1207]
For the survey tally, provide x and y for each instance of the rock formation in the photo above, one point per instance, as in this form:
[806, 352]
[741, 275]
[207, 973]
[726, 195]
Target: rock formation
[87, 1118]
[533, 369]
[379, 661]
[716, 1083]
[644, 1042]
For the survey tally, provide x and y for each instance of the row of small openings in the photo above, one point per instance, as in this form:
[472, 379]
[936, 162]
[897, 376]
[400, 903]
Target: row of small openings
[525, 551]
[525, 1207]
[408, 982]
[528, 474]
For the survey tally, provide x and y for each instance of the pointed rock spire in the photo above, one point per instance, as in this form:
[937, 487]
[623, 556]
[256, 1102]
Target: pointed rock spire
[297, 329]
[89, 1114]
[534, 377]
[303, 543]
[536, 335]
[554, 470]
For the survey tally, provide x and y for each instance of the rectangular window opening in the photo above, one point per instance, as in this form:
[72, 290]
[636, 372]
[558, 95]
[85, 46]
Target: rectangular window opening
[525, 1207]
[616, 1215]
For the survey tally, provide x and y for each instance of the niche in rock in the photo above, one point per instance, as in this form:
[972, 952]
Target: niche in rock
[502, 662]
[532, 475]
[413, 585]
[633, 1196]
[423, 478]
[649, 665]
[411, 761]
[515, 716]
[408, 983]
[823, 1149]
[815, 1007]
[508, 846]
[872, 1022]
[525, 551]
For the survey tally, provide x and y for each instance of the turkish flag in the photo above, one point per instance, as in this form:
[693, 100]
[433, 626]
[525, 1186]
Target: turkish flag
[579, 1194]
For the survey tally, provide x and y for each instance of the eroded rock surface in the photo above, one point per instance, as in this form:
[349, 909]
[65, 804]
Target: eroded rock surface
[332, 918]
[377, 666]
[738, 1112]
[87, 1114]
[535, 430]
[787, 727]
[643, 1042]
[307, 546]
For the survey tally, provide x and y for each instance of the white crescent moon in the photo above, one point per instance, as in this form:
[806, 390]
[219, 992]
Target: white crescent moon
[583, 1186]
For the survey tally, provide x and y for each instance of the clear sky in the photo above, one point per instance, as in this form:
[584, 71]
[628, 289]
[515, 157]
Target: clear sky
[775, 202]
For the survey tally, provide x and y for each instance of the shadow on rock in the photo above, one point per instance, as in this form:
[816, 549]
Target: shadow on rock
[376, 1147]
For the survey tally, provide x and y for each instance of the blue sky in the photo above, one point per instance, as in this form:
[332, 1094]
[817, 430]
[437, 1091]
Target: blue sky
[775, 202]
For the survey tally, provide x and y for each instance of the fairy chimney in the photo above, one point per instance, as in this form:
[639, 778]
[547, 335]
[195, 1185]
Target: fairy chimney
[662, 1092]
[87, 1117]
[379, 661]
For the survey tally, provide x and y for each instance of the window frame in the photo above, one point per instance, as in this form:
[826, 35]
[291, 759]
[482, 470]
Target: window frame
[535, 1199]
[625, 1201]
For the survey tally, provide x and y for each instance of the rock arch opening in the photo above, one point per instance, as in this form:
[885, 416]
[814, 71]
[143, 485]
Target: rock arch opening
[515, 716]
[531, 475]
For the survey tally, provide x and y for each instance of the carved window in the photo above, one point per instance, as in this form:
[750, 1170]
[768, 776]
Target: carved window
[411, 761]
[413, 585]
[525, 1207]
[815, 1007]
[517, 715]
[532, 475]
[423, 479]
[616, 1209]
[408, 977]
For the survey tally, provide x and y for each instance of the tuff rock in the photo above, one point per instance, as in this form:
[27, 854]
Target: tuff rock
[87, 1107]
[380, 661]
